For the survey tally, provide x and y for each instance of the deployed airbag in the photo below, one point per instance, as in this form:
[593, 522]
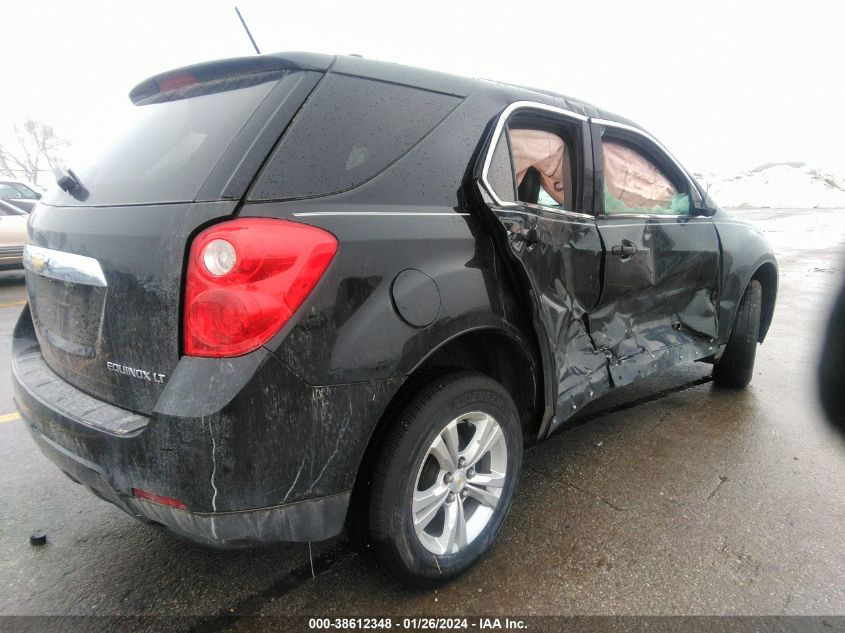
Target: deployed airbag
[633, 183]
[548, 154]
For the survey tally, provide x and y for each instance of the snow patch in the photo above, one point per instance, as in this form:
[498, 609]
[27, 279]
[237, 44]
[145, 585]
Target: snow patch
[776, 185]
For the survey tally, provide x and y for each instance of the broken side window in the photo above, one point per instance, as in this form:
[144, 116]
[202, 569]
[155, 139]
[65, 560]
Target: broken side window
[634, 184]
[542, 167]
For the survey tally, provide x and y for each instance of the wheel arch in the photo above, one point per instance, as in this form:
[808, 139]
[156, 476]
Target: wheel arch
[767, 275]
[505, 354]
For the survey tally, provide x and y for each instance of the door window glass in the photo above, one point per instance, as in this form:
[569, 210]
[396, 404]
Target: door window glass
[634, 184]
[500, 173]
[349, 131]
[543, 168]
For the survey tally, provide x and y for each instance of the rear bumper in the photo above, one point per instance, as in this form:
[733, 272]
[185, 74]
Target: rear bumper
[309, 520]
[275, 462]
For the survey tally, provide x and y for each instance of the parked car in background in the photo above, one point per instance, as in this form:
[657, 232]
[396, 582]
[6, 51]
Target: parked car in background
[19, 194]
[12, 235]
[15, 189]
[309, 291]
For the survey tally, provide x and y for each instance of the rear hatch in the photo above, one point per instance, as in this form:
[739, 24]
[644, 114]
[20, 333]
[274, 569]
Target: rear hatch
[104, 274]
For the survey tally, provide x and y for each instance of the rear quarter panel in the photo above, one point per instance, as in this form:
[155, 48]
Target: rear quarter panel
[413, 215]
[350, 329]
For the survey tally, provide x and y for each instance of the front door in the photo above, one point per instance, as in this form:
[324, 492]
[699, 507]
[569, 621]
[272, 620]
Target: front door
[658, 303]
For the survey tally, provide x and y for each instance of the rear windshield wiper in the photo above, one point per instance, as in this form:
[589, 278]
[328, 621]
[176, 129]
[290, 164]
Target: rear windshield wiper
[69, 182]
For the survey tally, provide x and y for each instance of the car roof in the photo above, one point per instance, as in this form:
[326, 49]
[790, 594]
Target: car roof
[384, 71]
[465, 86]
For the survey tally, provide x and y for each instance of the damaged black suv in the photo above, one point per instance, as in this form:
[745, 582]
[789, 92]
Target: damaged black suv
[303, 292]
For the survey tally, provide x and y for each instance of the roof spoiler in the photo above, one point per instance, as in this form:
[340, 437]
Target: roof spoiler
[248, 70]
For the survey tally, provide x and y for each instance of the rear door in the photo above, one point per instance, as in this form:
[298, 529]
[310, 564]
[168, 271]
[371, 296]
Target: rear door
[536, 178]
[658, 304]
[105, 261]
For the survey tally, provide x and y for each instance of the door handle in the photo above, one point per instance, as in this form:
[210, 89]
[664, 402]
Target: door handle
[625, 250]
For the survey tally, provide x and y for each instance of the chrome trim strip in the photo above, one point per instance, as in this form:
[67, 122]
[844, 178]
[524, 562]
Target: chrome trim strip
[519, 210]
[664, 217]
[617, 226]
[497, 132]
[70, 267]
[542, 207]
[532, 105]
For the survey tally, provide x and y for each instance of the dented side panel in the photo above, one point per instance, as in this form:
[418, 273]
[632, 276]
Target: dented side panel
[662, 296]
[556, 255]
[645, 297]
[561, 271]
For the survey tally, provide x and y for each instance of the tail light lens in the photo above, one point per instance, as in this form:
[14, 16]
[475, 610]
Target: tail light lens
[246, 278]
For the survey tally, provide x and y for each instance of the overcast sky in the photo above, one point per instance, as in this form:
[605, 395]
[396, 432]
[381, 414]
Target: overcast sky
[725, 85]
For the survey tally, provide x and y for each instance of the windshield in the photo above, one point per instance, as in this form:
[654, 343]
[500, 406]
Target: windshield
[167, 150]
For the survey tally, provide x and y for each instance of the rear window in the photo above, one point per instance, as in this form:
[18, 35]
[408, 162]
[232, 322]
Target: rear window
[349, 131]
[169, 146]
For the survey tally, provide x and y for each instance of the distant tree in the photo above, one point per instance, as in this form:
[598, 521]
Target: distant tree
[35, 151]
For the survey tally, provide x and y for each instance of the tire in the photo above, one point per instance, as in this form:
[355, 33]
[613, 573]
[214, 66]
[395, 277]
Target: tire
[736, 366]
[450, 417]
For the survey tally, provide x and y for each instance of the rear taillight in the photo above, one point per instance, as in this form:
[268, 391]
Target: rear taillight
[246, 278]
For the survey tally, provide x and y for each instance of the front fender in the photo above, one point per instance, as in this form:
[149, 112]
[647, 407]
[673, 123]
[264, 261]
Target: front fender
[746, 255]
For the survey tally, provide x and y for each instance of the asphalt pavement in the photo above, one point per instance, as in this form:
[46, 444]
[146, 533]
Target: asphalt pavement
[672, 497]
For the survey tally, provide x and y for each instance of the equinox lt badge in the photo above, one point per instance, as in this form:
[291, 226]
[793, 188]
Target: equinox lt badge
[135, 373]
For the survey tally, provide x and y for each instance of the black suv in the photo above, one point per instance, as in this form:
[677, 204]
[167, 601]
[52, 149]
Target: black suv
[304, 292]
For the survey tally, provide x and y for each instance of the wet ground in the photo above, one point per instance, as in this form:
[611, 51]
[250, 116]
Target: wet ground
[673, 497]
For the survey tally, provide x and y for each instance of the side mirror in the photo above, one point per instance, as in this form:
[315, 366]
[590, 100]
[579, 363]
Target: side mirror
[37, 196]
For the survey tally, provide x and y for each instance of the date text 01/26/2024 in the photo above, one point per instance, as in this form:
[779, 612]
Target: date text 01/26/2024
[417, 624]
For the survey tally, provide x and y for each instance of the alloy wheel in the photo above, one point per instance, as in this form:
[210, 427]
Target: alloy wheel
[459, 484]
